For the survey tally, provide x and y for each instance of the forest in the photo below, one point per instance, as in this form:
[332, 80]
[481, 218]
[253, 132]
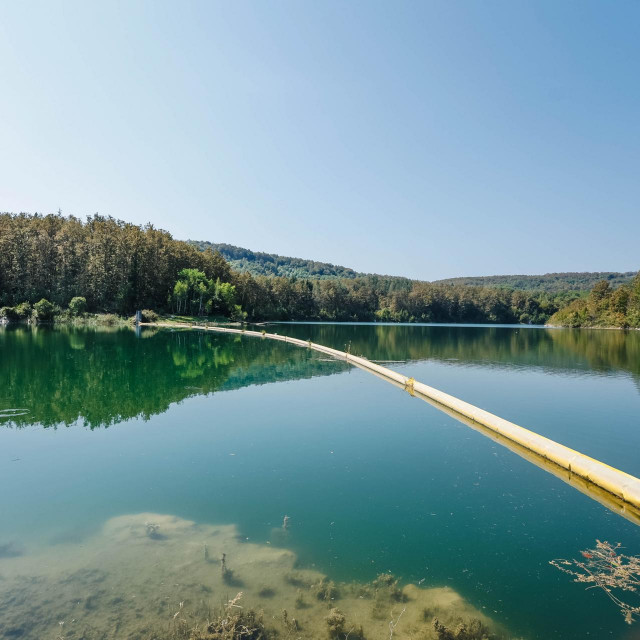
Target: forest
[549, 282]
[605, 306]
[116, 266]
[103, 265]
[270, 264]
[387, 299]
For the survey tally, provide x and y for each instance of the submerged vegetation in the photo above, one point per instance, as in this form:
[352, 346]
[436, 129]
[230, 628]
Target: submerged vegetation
[125, 581]
[474, 630]
[233, 622]
[605, 567]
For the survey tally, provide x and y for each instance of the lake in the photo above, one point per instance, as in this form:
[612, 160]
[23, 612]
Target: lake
[130, 463]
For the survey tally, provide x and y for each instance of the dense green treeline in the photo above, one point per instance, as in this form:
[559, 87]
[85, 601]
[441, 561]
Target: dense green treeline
[388, 299]
[109, 266]
[605, 306]
[116, 266]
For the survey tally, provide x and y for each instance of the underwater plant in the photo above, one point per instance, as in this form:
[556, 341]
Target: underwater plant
[290, 623]
[613, 572]
[474, 630]
[387, 583]
[385, 591]
[326, 590]
[227, 574]
[233, 623]
[336, 621]
[339, 629]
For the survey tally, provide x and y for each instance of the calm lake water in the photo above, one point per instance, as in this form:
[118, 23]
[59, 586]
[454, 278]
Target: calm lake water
[229, 430]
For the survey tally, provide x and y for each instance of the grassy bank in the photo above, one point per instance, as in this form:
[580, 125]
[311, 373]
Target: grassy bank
[185, 319]
[86, 320]
[45, 312]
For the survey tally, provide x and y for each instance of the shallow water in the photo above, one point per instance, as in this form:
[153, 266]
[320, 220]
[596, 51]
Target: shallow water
[191, 425]
[151, 575]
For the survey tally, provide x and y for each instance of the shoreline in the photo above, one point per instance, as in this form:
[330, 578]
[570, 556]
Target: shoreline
[113, 320]
[561, 326]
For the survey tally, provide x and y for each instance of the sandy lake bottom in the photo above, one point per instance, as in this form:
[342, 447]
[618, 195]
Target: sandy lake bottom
[149, 576]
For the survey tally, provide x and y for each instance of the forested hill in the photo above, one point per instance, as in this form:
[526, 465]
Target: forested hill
[605, 306]
[549, 282]
[51, 266]
[270, 264]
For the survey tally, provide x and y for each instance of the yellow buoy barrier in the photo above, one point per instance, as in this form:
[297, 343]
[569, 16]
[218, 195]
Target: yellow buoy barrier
[615, 489]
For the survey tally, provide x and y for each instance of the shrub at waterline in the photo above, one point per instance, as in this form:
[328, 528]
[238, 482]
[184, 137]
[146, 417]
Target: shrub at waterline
[47, 312]
[149, 316]
[23, 310]
[78, 306]
[43, 311]
[8, 313]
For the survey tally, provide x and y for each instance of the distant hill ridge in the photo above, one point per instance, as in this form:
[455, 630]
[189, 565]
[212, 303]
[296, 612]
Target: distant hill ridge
[271, 264]
[551, 282]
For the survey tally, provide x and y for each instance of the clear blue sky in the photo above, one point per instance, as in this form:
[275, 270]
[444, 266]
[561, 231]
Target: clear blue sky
[428, 139]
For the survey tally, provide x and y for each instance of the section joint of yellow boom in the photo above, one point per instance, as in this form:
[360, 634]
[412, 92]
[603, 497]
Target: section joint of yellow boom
[408, 386]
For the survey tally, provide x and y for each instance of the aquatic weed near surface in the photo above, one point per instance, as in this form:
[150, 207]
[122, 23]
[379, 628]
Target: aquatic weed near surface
[233, 623]
[617, 574]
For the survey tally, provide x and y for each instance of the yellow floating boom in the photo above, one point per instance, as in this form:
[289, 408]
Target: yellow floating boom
[616, 489]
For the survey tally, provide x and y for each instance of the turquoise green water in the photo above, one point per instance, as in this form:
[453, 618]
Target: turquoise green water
[221, 429]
